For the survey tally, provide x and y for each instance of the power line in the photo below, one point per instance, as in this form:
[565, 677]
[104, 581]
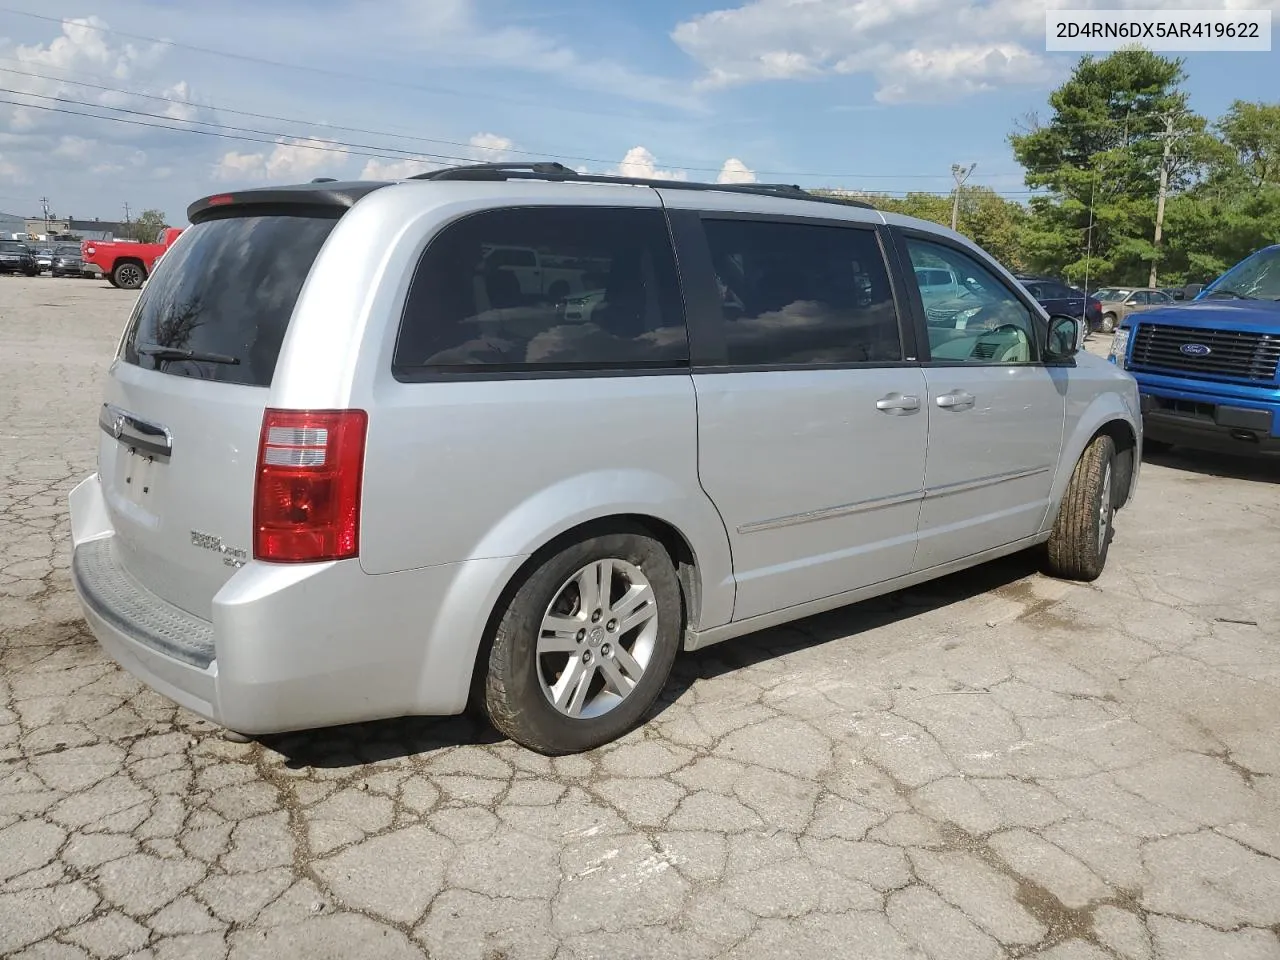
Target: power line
[395, 152]
[278, 119]
[326, 146]
[206, 133]
[419, 139]
[320, 71]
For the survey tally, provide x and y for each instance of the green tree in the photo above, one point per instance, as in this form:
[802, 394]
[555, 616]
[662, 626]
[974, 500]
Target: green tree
[1098, 158]
[1251, 137]
[148, 227]
[991, 221]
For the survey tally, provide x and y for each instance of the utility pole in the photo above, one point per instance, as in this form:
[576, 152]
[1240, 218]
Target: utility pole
[44, 205]
[960, 173]
[1165, 163]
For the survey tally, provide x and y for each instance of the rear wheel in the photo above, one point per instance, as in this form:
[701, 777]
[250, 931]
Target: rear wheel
[128, 276]
[1108, 323]
[586, 644]
[1077, 547]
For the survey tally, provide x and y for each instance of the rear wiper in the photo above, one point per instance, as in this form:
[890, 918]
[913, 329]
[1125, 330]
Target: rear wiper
[181, 353]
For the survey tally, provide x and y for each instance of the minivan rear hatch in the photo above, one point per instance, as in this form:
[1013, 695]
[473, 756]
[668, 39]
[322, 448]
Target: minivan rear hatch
[180, 426]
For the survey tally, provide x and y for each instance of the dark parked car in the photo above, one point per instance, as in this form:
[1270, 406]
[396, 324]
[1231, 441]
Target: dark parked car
[1189, 292]
[1061, 300]
[67, 261]
[16, 257]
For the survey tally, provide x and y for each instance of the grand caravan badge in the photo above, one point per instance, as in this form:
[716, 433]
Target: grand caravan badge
[231, 556]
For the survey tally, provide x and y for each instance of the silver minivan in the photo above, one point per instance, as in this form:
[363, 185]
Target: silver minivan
[352, 464]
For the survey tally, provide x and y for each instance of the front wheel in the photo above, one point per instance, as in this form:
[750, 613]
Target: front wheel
[585, 645]
[1077, 547]
[1108, 323]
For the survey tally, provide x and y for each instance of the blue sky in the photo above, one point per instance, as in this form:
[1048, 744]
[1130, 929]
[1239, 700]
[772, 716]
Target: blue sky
[862, 94]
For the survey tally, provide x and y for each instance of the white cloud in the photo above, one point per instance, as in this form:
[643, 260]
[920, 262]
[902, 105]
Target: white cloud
[639, 162]
[735, 171]
[914, 49]
[395, 169]
[239, 166]
[10, 171]
[180, 107]
[490, 148]
[81, 47]
[454, 33]
[290, 159]
[75, 148]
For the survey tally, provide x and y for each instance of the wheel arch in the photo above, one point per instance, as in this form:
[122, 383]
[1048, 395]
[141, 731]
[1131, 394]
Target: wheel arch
[135, 261]
[1107, 414]
[676, 543]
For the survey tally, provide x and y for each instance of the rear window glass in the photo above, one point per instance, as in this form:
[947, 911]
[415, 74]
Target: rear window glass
[220, 308]
[545, 288]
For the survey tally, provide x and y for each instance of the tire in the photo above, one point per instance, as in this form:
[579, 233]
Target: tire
[128, 275]
[1077, 547]
[110, 278]
[521, 682]
[1108, 323]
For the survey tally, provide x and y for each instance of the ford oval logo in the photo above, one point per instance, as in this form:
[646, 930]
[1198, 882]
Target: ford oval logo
[1195, 350]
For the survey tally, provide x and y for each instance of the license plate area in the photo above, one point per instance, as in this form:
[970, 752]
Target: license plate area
[138, 473]
[142, 453]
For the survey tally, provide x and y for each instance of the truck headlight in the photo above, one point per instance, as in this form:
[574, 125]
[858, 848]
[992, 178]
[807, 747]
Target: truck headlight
[1120, 348]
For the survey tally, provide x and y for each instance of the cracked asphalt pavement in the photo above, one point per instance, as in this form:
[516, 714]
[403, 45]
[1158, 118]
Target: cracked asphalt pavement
[995, 765]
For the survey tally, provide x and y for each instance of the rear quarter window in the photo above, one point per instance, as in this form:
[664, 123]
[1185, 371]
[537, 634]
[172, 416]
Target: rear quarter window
[606, 298]
[226, 294]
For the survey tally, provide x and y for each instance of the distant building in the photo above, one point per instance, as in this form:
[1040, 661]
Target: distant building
[58, 228]
[38, 228]
[11, 224]
[98, 229]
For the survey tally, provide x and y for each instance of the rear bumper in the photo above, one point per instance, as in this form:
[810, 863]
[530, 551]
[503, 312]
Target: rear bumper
[1234, 422]
[291, 647]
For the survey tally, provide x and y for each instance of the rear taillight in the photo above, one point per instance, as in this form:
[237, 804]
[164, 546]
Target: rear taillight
[306, 503]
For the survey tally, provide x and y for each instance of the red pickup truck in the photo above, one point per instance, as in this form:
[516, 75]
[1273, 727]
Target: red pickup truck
[125, 264]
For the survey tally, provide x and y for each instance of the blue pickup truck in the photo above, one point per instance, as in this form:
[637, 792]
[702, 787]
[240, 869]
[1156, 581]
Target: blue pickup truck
[1207, 368]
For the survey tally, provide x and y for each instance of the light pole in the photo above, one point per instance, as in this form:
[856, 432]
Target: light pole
[960, 173]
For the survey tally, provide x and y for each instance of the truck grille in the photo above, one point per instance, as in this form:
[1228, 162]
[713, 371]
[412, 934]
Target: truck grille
[1231, 353]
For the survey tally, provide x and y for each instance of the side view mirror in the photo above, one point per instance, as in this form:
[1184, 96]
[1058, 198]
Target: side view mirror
[1066, 338]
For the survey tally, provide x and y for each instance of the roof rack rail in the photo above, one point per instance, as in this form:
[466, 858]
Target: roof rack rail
[559, 172]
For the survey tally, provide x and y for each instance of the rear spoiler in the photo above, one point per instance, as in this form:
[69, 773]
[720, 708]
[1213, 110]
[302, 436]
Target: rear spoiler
[334, 195]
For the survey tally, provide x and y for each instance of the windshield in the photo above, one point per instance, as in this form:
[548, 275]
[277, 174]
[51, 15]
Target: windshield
[68, 250]
[1256, 277]
[1111, 293]
[12, 246]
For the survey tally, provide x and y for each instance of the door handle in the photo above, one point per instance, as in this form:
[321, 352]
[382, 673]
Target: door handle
[956, 400]
[898, 403]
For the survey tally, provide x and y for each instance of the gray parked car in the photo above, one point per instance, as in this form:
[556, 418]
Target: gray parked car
[342, 479]
[67, 261]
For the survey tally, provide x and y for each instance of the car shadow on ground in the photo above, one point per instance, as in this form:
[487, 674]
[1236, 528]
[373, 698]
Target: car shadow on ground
[1217, 465]
[367, 743]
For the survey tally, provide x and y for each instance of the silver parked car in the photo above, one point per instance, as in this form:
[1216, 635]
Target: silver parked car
[342, 478]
